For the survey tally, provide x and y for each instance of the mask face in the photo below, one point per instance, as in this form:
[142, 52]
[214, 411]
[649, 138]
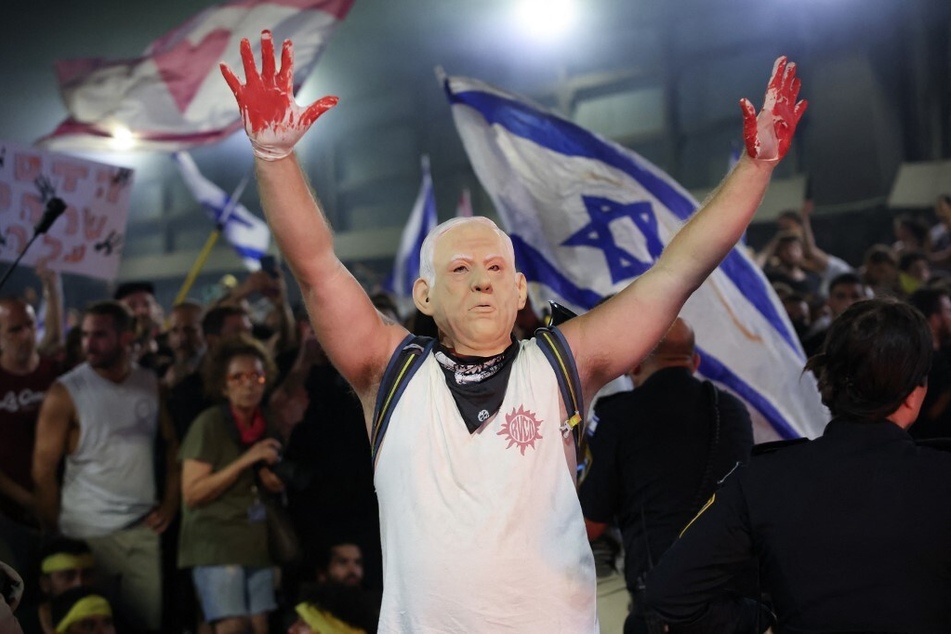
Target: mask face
[476, 292]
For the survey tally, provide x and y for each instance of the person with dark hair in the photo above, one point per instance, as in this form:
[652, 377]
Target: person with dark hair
[64, 564]
[911, 235]
[188, 397]
[789, 266]
[851, 531]
[185, 339]
[334, 609]
[341, 563]
[139, 297]
[934, 421]
[338, 602]
[226, 458]
[103, 419]
[844, 290]
[880, 271]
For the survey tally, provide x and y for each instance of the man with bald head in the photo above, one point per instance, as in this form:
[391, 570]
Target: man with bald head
[658, 452]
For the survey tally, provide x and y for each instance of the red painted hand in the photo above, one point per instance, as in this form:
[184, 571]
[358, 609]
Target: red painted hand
[769, 135]
[272, 119]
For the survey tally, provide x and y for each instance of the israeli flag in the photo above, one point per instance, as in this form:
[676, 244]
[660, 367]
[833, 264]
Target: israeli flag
[587, 216]
[422, 220]
[247, 234]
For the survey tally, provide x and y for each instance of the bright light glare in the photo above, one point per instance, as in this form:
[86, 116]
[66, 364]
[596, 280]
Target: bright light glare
[122, 138]
[546, 19]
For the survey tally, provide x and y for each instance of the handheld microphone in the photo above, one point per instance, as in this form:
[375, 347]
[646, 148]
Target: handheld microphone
[54, 209]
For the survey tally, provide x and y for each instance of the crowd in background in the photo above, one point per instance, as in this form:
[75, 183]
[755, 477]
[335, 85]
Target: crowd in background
[243, 428]
[816, 286]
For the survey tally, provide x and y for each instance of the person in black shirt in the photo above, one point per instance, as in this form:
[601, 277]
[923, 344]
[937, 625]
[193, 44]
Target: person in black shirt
[852, 531]
[658, 452]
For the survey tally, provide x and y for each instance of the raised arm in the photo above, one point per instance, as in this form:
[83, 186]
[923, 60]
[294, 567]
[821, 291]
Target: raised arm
[353, 334]
[613, 337]
[53, 294]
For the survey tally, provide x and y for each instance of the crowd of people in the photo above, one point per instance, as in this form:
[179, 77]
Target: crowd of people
[816, 287]
[143, 466]
[338, 470]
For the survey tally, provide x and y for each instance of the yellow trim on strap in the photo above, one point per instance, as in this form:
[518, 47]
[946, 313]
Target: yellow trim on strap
[66, 561]
[699, 513]
[92, 605]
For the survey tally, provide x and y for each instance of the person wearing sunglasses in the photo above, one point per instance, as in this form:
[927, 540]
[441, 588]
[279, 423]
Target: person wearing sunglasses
[226, 458]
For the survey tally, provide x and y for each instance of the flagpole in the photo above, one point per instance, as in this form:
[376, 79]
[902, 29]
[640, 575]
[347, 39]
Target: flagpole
[211, 241]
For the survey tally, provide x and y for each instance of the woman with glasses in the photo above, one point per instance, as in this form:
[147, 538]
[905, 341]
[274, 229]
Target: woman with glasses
[226, 458]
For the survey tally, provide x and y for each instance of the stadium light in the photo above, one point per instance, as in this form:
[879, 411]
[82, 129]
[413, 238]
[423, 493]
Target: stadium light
[546, 19]
[122, 138]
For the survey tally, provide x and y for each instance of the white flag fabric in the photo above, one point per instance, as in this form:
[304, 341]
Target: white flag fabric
[247, 234]
[422, 220]
[587, 216]
[174, 97]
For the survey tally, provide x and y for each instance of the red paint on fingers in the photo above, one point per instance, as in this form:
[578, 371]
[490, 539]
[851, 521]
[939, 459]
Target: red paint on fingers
[749, 127]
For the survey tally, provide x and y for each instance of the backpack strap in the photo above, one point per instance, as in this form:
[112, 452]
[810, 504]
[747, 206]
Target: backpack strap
[556, 350]
[401, 368]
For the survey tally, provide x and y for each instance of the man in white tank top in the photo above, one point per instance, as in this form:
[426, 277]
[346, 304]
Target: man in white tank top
[482, 530]
[104, 417]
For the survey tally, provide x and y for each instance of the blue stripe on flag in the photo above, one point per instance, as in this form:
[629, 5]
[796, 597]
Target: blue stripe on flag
[248, 253]
[537, 268]
[716, 370]
[562, 136]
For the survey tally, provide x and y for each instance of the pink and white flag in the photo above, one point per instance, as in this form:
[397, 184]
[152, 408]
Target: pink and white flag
[173, 97]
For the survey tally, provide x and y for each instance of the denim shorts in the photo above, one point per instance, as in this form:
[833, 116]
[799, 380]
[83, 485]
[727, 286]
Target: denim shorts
[230, 591]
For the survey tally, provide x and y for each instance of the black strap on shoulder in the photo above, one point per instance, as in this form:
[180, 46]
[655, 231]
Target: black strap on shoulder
[556, 350]
[403, 365]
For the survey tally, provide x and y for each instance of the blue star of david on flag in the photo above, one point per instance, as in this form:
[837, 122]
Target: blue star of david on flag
[587, 216]
[622, 264]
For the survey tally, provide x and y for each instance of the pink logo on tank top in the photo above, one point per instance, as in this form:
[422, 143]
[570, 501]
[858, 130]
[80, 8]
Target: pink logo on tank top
[521, 428]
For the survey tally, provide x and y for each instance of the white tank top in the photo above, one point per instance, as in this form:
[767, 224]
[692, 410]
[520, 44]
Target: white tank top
[109, 481]
[483, 532]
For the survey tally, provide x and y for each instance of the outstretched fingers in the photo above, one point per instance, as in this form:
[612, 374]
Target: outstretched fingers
[317, 108]
[247, 59]
[749, 127]
[233, 82]
[267, 57]
[800, 108]
[285, 78]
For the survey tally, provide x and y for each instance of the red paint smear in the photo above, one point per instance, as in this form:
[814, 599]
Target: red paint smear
[184, 67]
[336, 8]
[266, 108]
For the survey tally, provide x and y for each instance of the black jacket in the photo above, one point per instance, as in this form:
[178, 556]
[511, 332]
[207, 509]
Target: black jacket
[852, 532]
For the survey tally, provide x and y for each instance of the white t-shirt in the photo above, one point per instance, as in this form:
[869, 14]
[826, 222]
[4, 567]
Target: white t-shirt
[483, 532]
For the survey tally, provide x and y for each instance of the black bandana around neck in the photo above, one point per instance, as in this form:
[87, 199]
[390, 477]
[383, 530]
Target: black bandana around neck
[477, 384]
